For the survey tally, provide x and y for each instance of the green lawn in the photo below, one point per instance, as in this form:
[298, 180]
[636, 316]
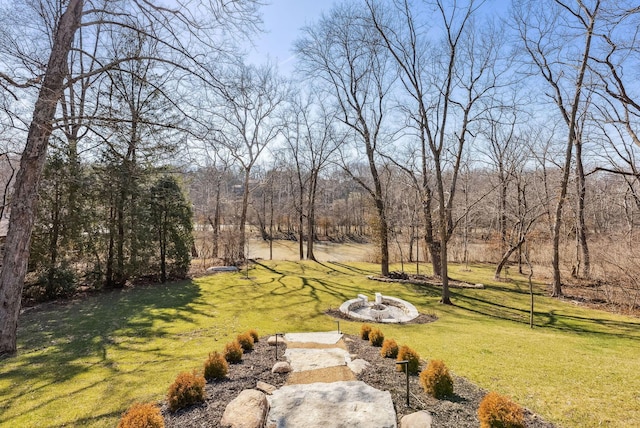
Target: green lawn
[82, 363]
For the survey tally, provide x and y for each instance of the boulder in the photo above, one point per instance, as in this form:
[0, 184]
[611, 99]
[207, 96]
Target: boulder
[265, 387]
[357, 366]
[247, 410]
[281, 367]
[352, 404]
[421, 419]
[272, 340]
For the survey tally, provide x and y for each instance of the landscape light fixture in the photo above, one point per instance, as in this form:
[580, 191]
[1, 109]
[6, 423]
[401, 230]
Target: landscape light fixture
[277, 334]
[338, 321]
[405, 363]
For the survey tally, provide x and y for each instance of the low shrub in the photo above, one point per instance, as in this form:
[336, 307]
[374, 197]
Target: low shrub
[497, 411]
[215, 367]
[365, 329]
[187, 389]
[254, 333]
[246, 341]
[232, 352]
[376, 337]
[436, 380]
[389, 348]
[142, 415]
[406, 353]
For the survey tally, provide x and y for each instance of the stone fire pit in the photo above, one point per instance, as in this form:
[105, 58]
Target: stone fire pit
[384, 309]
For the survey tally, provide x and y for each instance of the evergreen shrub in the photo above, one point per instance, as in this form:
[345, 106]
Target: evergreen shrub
[498, 411]
[436, 380]
[187, 389]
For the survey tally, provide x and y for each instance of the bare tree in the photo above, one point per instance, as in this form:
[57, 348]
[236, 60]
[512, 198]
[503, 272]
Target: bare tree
[548, 33]
[446, 85]
[312, 140]
[249, 122]
[343, 52]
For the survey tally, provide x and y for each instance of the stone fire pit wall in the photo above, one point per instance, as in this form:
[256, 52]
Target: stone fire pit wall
[397, 311]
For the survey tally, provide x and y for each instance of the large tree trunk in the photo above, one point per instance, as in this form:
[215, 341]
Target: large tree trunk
[432, 244]
[25, 199]
[311, 215]
[243, 215]
[581, 226]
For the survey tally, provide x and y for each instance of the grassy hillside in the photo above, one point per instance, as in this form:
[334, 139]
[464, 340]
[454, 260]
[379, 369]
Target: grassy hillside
[82, 363]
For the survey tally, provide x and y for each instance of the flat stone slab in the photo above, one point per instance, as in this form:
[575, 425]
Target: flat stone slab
[351, 404]
[329, 374]
[214, 269]
[325, 337]
[302, 359]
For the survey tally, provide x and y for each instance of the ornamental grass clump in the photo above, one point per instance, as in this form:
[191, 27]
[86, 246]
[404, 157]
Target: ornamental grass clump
[215, 367]
[365, 329]
[254, 333]
[246, 341]
[389, 348]
[498, 411]
[187, 389]
[408, 354]
[232, 352]
[436, 380]
[142, 415]
[376, 337]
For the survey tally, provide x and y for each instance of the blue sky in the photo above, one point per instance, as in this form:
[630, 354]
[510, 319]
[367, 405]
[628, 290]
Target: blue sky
[282, 22]
[284, 18]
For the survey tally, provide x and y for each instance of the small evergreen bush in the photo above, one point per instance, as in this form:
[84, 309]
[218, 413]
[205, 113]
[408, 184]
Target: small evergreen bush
[436, 380]
[254, 333]
[406, 353]
[215, 367]
[497, 411]
[232, 352]
[376, 337]
[389, 348]
[246, 341]
[142, 415]
[365, 329]
[187, 389]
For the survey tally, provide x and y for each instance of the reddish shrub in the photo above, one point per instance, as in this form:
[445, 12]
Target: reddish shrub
[142, 415]
[187, 389]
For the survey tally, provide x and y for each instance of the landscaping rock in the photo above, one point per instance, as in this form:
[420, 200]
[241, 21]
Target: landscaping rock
[421, 419]
[272, 340]
[265, 387]
[248, 410]
[358, 366]
[215, 269]
[351, 404]
[281, 367]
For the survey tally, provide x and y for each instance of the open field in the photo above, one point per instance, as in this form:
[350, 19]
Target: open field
[82, 363]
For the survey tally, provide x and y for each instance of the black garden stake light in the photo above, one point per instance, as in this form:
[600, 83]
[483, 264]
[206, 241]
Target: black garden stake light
[338, 321]
[405, 363]
[277, 334]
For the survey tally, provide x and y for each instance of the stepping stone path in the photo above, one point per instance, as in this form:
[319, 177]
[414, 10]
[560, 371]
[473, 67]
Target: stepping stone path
[321, 390]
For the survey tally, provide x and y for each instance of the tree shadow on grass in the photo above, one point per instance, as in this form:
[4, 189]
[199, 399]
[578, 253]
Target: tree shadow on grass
[595, 325]
[60, 341]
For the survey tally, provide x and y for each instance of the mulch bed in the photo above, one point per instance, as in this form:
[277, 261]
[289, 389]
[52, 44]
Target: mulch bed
[256, 365]
[457, 411]
[461, 410]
